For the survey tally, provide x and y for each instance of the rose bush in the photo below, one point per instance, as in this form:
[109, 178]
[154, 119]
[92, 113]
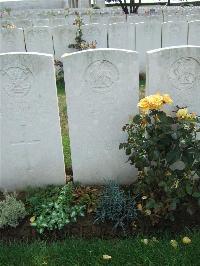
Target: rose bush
[166, 151]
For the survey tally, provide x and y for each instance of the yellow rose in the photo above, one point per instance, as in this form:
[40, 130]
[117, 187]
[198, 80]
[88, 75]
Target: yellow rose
[182, 113]
[174, 243]
[155, 101]
[191, 116]
[186, 240]
[167, 99]
[143, 104]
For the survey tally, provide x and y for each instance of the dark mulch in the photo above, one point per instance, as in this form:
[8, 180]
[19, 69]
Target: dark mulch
[85, 228]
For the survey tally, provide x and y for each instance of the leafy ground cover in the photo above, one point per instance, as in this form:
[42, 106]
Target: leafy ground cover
[132, 251]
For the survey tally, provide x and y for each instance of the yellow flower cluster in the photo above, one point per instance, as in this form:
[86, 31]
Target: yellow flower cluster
[183, 114]
[154, 102]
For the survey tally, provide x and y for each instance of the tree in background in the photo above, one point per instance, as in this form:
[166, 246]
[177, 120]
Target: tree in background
[127, 8]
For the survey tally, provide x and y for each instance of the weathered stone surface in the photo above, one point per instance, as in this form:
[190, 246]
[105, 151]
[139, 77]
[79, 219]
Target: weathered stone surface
[194, 33]
[84, 4]
[31, 4]
[39, 39]
[102, 92]
[192, 17]
[176, 71]
[148, 37]
[95, 32]
[11, 40]
[41, 22]
[174, 33]
[58, 21]
[121, 36]
[116, 19]
[63, 36]
[31, 150]
[175, 17]
[100, 3]
[23, 23]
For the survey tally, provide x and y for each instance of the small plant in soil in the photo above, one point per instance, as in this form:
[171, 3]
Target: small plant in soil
[12, 211]
[80, 43]
[58, 212]
[116, 206]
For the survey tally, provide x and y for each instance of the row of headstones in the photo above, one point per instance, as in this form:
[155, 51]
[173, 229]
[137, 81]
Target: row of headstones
[45, 13]
[102, 88]
[83, 3]
[26, 4]
[26, 13]
[140, 37]
[35, 14]
[95, 18]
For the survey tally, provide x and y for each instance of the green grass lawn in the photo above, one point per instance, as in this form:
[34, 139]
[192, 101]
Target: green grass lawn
[89, 252]
[64, 124]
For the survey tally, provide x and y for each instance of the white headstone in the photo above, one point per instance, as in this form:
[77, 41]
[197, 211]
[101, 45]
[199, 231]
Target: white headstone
[34, 4]
[116, 19]
[193, 17]
[194, 33]
[63, 36]
[100, 3]
[23, 23]
[84, 4]
[99, 18]
[71, 19]
[95, 32]
[175, 17]
[31, 149]
[39, 39]
[174, 33]
[12, 40]
[121, 36]
[85, 19]
[148, 37]
[41, 22]
[102, 93]
[58, 21]
[176, 71]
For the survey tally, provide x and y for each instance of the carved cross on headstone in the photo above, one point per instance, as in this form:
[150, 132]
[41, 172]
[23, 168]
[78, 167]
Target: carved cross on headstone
[26, 143]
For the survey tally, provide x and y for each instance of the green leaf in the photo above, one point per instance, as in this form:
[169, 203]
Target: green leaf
[173, 205]
[150, 204]
[189, 189]
[196, 194]
[173, 156]
[128, 151]
[136, 119]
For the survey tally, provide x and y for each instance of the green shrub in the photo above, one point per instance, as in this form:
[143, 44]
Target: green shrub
[115, 206]
[11, 211]
[37, 197]
[58, 212]
[166, 151]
